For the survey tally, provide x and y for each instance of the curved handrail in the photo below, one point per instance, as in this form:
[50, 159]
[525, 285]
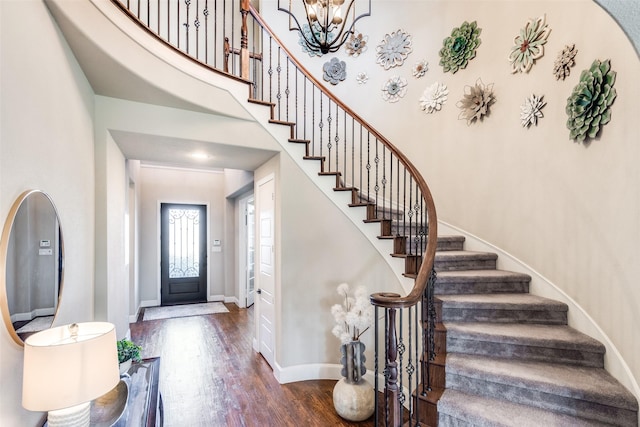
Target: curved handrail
[381, 299]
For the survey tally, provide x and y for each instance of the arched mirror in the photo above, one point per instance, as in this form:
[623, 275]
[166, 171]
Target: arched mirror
[31, 265]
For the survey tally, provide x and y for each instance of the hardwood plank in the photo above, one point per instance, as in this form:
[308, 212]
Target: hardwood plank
[210, 376]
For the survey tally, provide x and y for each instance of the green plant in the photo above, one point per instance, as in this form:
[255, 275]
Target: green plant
[128, 350]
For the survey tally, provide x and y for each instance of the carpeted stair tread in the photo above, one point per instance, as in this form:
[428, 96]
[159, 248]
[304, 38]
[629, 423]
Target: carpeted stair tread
[450, 243]
[539, 383]
[464, 260]
[462, 409]
[553, 343]
[501, 301]
[481, 281]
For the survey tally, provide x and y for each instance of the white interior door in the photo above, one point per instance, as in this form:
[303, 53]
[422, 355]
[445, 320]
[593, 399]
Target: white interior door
[266, 268]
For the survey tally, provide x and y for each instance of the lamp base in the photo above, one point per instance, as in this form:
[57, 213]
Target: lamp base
[74, 416]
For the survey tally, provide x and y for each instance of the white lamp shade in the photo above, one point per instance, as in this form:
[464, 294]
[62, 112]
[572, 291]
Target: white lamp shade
[62, 371]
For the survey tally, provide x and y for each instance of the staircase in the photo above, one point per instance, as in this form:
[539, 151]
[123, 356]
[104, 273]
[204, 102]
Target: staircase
[491, 354]
[508, 358]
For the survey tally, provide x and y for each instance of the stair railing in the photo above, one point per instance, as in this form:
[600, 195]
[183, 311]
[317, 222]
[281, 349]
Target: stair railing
[379, 177]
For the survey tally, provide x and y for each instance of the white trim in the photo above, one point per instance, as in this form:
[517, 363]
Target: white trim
[37, 312]
[215, 298]
[231, 300]
[150, 303]
[578, 318]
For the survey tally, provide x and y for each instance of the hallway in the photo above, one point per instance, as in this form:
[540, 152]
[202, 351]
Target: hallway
[210, 376]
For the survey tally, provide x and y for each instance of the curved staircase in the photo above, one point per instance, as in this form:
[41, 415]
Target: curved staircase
[508, 358]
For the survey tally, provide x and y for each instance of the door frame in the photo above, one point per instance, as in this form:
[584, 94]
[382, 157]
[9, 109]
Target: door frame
[242, 247]
[159, 242]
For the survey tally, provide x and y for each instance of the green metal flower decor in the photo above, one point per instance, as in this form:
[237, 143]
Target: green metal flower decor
[335, 71]
[588, 107]
[529, 45]
[460, 47]
[476, 101]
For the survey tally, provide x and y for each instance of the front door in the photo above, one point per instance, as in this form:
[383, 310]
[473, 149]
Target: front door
[266, 269]
[183, 235]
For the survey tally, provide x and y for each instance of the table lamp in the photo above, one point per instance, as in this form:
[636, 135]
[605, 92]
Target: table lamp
[66, 367]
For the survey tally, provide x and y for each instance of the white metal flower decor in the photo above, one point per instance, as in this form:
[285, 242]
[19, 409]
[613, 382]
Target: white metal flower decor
[476, 101]
[394, 49]
[362, 77]
[530, 111]
[356, 44]
[394, 89]
[565, 60]
[420, 68]
[354, 316]
[334, 71]
[529, 45]
[434, 97]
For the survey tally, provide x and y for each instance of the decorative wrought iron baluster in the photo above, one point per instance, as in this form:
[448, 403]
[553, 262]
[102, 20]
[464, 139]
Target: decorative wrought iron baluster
[278, 81]
[186, 24]
[376, 333]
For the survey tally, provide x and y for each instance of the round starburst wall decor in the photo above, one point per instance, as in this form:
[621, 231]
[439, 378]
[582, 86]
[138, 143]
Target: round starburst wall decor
[475, 103]
[529, 45]
[393, 49]
[460, 47]
[589, 106]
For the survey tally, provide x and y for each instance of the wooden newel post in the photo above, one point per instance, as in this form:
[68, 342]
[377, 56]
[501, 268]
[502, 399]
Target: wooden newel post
[244, 40]
[391, 386]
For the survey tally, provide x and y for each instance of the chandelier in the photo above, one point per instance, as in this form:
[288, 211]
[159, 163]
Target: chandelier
[326, 24]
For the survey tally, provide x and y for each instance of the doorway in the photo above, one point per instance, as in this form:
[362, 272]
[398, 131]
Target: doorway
[246, 250]
[183, 253]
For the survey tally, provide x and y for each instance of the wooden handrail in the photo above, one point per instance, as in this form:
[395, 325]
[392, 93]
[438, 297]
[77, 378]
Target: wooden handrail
[382, 299]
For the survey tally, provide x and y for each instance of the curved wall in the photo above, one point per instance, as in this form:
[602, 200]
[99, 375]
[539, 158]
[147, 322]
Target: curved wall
[567, 210]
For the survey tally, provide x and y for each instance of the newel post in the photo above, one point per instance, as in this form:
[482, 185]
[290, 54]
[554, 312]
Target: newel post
[391, 382]
[244, 40]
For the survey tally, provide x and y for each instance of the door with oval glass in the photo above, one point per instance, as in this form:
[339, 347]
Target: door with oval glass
[183, 235]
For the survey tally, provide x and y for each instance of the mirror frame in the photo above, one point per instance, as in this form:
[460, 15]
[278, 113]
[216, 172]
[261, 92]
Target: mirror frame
[4, 246]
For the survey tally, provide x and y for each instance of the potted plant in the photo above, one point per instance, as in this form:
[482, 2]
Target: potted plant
[128, 352]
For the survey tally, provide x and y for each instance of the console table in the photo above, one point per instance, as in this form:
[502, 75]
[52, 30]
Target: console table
[134, 402]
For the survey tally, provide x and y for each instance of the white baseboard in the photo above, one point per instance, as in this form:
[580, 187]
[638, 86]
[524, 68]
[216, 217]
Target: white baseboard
[232, 300]
[38, 312]
[215, 298]
[149, 303]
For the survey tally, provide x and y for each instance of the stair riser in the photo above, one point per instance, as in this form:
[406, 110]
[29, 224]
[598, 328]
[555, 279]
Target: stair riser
[503, 316]
[530, 395]
[465, 264]
[524, 352]
[471, 287]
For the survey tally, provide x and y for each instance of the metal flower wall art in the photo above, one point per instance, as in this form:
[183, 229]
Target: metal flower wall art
[529, 45]
[394, 49]
[394, 89]
[565, 60]
[334, 71]
[476, 101]
[362, 78]
[588, 107]
[530, 111]
[460, 47]
[307, 33]
[356, 44]
[420, 68]
[434, 97]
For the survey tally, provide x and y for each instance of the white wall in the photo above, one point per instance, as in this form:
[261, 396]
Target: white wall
[46, 142]
[568, 210]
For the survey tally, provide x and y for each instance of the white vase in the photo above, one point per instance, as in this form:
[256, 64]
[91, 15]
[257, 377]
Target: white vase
[124, 367]
[354, 401]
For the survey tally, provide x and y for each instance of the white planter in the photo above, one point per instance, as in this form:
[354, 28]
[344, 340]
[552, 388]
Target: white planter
[354, 401]
[124, 367]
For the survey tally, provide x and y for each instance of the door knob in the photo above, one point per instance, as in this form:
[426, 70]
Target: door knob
[259, 291]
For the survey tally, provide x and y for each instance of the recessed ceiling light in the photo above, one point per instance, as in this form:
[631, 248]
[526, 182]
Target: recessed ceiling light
[200, 155]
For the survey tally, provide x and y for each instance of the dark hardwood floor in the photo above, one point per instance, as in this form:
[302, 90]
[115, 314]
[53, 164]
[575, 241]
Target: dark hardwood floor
[210, 376]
